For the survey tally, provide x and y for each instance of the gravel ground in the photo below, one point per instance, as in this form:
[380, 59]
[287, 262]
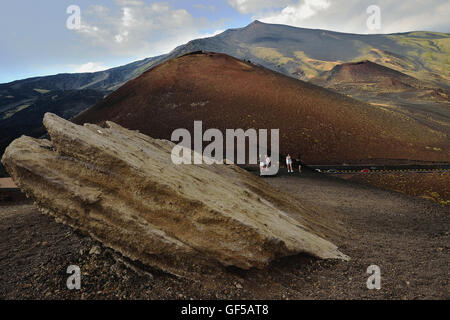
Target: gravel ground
[408, 238]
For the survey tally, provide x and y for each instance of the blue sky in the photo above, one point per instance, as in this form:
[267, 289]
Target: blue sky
[36, 41]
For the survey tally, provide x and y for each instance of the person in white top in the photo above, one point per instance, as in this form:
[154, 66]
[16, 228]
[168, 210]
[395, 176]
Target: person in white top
[289, 163]
[262, 164]
[268, 161]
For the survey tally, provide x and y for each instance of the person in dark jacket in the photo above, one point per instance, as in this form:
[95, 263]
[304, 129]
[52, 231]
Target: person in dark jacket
[298, 162]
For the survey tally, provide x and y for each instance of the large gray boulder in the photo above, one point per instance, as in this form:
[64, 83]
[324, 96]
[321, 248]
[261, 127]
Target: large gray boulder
[121, 188]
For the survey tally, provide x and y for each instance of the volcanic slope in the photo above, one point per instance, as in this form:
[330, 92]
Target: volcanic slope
[385, 87]
[223, 92]
[371, 73]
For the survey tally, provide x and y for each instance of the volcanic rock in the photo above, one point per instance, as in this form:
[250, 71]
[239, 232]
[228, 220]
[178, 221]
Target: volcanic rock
[121, 188]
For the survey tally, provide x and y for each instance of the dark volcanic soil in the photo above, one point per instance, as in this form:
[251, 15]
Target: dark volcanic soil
[433, 186]
[408, 238]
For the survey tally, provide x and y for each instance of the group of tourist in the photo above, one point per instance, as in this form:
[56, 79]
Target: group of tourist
[289, 163]
[264, 163]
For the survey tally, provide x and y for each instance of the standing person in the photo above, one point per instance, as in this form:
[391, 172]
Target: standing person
[299, 160]
[262, 164]
[289, 163]
[268, 161]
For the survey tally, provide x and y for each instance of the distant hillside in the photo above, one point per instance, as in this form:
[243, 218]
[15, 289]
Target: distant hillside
[224, 92]
[390, 89]
[64, 103]
[305, 53]
[17, 94]
[107, 80]
[372, 75]
[23, 103]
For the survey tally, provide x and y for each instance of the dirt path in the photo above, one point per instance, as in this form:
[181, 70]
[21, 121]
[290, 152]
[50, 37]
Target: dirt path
[407, 238]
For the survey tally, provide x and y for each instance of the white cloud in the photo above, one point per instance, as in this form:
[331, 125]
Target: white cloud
[140, 30]
[254, 6]
[88, 67]
[212, 34]
[416, 15]
[351, 15]
[297, 13]
[130, 2]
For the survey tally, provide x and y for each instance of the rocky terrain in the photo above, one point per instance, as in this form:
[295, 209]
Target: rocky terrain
[432, 186]
[122, 188]
[406, 237]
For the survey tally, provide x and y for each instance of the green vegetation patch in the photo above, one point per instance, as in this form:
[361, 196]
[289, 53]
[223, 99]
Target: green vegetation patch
[10, 113]
[42, 91]
[271, 55]
[433, 53]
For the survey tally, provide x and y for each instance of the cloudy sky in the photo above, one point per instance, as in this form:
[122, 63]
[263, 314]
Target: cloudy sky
[36, 40]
